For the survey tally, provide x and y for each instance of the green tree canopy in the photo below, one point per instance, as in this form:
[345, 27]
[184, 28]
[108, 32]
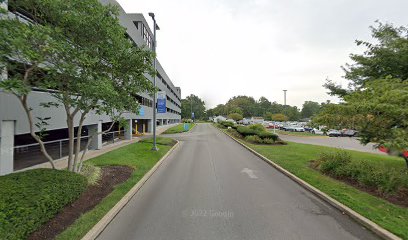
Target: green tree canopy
[92, 69]
[386, 57]
[379, 111]
[309, 109]
[235, 116]
[194, 104]
[279, 117]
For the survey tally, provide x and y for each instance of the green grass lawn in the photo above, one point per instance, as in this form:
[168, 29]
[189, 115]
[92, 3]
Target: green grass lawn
[179, 128]
[295, 157]
[300, 134]
[138, 156]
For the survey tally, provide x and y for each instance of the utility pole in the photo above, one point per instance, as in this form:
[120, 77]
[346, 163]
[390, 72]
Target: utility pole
[191, 107]
[155, 27]
[284, 97]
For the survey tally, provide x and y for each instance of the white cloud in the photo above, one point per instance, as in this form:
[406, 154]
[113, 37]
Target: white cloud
[220, 48]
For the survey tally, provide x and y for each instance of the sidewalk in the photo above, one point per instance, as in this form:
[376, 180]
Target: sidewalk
[63, 162]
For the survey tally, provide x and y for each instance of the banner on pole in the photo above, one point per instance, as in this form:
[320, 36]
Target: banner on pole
[161, 102]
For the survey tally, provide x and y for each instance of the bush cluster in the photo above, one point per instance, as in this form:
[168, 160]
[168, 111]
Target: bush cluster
[255, 132]
[226, 124]
[341, 165]
[31, 198]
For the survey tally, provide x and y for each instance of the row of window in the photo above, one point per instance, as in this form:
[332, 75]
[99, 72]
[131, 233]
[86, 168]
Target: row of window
[173, 111]
[168, 86]
[172, 101]
[144, 101]
[149, 103]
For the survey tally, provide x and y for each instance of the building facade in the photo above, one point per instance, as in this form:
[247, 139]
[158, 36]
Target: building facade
[17, 148]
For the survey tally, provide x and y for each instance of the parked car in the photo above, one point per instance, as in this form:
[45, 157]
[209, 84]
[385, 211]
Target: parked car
[298, 129]
[308, 129]
[333, 133]
[317, 131]
[348, 133]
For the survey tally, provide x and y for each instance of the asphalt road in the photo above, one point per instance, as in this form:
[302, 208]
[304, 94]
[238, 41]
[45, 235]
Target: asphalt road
[350, 143]
[212, 188]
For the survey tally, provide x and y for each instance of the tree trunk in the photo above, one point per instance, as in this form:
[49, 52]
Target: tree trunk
[89, 142]
[27, 109]
[78, 141]
[70, 124]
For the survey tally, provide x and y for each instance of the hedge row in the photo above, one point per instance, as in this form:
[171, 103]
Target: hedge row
[31, 198]
[385, 180]
[258, 131]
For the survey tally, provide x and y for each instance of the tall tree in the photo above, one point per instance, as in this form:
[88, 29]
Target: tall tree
[379, 112]
[91, 69]
[245, 103]
[194, 104]
[386, 57]
[309, 109]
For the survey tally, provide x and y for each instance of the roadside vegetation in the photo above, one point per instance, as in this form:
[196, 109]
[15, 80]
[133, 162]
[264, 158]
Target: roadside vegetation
[382, 180]
[137, 156]
[31, 198]
[376, 100]
[179, 128]
[254, 134]
[299, 159]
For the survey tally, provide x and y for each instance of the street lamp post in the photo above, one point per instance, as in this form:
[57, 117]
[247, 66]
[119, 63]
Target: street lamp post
[155, 27]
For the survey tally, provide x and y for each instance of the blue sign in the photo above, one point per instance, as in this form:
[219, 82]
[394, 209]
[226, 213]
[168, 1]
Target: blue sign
[161, 102]
[141, 111]
[186, 127]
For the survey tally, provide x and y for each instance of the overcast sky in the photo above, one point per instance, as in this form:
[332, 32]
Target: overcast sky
[217, 49]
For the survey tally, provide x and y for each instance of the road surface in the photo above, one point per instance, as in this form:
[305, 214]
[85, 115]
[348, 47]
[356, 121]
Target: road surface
[212, 188]
[350, 143]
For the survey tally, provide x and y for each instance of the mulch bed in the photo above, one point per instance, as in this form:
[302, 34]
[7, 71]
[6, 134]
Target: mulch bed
[399, 198]
[111, 176]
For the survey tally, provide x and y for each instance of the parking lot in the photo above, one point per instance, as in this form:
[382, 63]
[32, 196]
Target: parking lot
[350, 143]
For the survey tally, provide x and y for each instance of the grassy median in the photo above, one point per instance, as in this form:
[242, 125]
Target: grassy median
[179, 128]
[138, 156]
[296, 158]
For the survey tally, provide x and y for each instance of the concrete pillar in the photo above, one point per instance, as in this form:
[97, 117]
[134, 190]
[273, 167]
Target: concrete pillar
[129, 129]
[150, 125]
[96, 142]
[7, 147]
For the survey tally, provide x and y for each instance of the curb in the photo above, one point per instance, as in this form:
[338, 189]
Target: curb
[381, 232]
[105, 220]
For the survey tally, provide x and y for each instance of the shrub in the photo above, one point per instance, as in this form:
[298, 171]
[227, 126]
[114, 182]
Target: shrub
[385, 180]
[331, 161]
[257, 127]
[31, 198]
[246, 131]
[266, 134]
[234, 133]
[227, 124]
[268, 141]
[92, 173]
[253, 139]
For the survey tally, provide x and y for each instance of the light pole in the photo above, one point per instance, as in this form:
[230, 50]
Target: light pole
[191, 107]
[284, 97]
[155, 27]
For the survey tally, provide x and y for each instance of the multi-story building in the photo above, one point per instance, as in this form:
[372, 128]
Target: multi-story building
[18, 150]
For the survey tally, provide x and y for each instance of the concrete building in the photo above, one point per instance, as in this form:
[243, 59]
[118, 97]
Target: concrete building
[17, 148]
